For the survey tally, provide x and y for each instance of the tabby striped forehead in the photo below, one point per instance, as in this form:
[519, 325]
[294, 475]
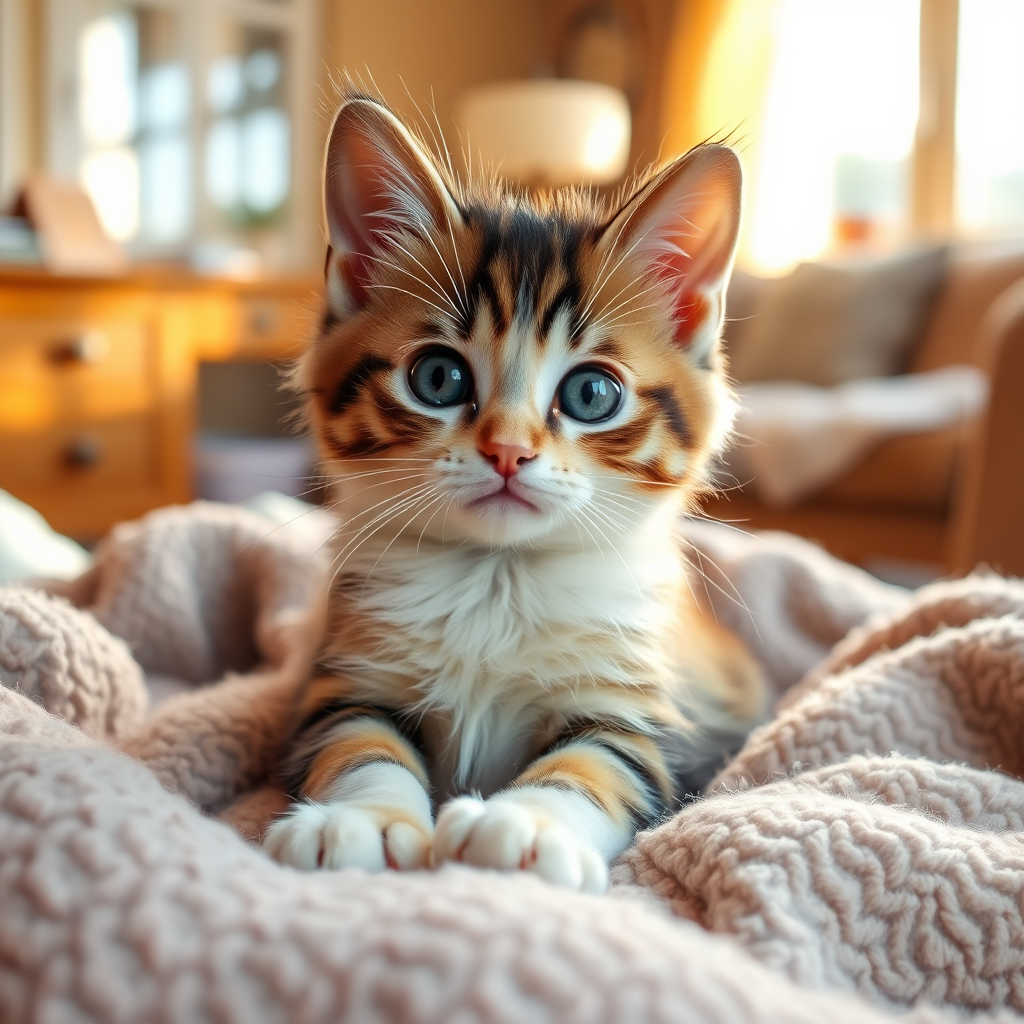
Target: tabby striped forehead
[529, 267]
[525, 294]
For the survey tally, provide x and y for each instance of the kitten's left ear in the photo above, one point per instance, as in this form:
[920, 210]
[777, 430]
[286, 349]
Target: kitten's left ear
[685, 224]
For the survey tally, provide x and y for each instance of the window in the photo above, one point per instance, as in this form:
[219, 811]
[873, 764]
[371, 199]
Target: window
[990, 116]
[860, 120]
[188, 122]
[837, 129]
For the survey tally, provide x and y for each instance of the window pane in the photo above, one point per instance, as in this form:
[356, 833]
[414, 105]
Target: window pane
[990, 115]
[111, 177]
[108, 59]
[838, 127]
[166, 187]
[224, 163]
[265, 159]
[248, 140]
[134, 115]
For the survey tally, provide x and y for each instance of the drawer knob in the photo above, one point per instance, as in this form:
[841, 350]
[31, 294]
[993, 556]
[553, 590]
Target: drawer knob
[84, 453]
[86, 349]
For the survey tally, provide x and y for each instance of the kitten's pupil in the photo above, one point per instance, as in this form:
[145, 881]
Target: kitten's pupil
[592, 389]
[437, 377]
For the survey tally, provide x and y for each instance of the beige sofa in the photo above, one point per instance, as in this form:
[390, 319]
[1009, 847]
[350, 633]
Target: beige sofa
[950, 498]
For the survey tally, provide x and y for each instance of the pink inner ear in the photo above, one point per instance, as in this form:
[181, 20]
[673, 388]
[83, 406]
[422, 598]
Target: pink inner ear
[691, 307]
[691, 310]
[359, 206]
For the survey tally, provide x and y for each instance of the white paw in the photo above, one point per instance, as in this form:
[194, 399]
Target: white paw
[340, 835]
[510, 836]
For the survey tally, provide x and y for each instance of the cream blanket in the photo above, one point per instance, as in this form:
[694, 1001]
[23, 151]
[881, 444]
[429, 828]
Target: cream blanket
[864, 853]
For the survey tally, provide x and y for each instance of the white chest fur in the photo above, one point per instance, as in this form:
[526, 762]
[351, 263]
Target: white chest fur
[502, 645]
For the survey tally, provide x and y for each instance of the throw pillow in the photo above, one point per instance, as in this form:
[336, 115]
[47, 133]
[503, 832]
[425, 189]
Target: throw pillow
[829, 323]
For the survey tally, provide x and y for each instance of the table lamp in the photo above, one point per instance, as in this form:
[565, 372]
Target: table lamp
[546, 133]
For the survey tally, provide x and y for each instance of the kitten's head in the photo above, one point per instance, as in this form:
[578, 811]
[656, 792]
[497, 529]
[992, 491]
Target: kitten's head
[502, 368]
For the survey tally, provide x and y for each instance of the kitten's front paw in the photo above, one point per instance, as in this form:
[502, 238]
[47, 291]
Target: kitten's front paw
[340, 835]
[510, 836]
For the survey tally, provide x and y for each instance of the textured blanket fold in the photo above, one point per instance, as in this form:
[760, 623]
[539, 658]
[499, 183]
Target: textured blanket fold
[865, 847]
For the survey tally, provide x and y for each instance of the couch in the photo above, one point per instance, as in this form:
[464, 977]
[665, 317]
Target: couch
[951, 498]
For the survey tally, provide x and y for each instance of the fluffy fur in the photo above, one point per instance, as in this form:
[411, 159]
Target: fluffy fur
[512, 634]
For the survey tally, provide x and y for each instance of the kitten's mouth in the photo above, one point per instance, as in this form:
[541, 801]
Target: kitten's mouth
[503, 498]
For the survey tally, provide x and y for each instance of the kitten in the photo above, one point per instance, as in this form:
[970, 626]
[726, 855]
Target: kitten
[515, 396]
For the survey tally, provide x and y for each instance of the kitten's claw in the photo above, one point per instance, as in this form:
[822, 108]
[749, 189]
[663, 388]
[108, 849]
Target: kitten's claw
[508, 836]
[340, 835]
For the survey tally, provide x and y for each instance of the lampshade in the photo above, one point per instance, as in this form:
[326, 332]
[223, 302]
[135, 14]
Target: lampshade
[549, 132]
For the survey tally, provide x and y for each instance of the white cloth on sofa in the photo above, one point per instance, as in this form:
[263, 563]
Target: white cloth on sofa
[794, 439]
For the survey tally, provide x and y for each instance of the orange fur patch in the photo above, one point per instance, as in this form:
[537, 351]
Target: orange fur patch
[589, 771]
[363, 741]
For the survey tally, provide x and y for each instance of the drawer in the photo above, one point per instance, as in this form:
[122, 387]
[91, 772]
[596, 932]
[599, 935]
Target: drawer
[59, 370]
[115, 452]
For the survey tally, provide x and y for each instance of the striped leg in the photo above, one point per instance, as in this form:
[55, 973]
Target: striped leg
[571, 812]
[363, 790]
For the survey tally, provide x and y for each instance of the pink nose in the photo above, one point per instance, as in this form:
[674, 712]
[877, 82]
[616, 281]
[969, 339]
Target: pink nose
[506, 458]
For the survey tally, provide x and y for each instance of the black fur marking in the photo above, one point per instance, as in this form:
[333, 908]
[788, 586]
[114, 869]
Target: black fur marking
[315, 727]
[489, 291]
[362, 444]
[673, 415]
[338, 709]
[595, 735]
[400, 420]
[328, 321]
[348, 390]
[609, 348]
[639, 768]
[431, 329]
[568, 297]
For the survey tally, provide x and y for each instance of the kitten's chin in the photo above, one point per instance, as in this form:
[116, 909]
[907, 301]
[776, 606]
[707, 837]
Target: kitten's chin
[501, 520]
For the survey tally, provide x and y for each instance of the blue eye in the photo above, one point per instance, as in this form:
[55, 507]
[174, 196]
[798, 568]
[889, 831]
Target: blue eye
[440, 378]
[589, 394]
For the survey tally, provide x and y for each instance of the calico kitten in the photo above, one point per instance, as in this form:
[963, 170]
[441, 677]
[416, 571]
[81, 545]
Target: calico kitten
[515, 396]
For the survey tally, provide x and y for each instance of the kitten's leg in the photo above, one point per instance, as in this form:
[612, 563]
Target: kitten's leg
[571, 812]
[364, 790]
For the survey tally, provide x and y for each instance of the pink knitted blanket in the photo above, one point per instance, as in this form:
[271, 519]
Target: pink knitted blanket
[862, 857]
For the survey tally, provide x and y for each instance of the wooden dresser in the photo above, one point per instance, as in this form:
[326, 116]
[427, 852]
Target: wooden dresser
[98, 382]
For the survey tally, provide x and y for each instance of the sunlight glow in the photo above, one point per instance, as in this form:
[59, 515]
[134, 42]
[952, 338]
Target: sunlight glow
[111, 177]
[990, 114]
[843, 97]
[107, 58]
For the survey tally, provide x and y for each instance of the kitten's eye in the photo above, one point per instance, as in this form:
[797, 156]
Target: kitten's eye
[441, 378]
[590, 394]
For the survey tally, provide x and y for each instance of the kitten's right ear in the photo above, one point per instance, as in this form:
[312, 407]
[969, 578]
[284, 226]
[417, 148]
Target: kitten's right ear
[379, 183]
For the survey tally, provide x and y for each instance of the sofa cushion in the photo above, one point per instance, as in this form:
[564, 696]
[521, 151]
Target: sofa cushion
[977, 273]
[825, 324]
[911, 473]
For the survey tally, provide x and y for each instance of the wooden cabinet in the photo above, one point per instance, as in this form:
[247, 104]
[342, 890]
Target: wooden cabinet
[98, 382]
